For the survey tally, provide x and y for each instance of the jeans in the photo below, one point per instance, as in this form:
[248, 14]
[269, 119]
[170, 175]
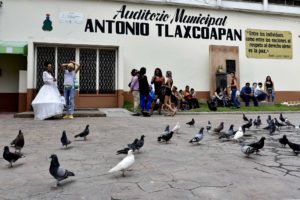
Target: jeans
[270, 94]
[234, 100]
[247, 99]
[145, 102]
[69, 94]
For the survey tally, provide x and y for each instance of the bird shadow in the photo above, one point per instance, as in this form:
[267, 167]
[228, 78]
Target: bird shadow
[63, 184]
[82, 140]
[68, 148]
[14, 166]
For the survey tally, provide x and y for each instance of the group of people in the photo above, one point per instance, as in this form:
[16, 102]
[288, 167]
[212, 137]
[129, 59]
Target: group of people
[256, 93]
[184, 100]
[144, 96]
[48, 102]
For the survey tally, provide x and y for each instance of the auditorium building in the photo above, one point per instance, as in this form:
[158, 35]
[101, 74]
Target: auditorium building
[201, 42]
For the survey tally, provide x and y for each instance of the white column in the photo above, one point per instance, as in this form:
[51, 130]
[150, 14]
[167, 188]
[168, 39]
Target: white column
[265, 4]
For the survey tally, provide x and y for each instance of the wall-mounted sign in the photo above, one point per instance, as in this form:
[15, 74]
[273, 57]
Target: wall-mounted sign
[71, 18]
[47, 24]
[179, 24]
[268, 44]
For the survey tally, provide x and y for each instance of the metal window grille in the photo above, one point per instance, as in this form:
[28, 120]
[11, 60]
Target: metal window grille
[87, 76]
[107, 71]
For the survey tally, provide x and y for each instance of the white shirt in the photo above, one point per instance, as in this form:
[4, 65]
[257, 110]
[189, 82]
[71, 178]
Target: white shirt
[69, 77]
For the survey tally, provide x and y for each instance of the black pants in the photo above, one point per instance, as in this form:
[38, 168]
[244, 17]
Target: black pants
[247, 99]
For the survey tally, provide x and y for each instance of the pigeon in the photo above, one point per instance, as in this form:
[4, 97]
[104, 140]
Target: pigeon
[288, 123]
[167, 129]
[283, 141]
[191, 123]
[131, 146]
[229, 133]
[11, 157]
[19, 142]
[294, 147]
[277, 123]
[208, 127]
[64, 140]
[238, 134]
[258, 145]
[257, 122]
[245, 118]
[219, 128]
[272, 128]
[198, 137]
[282, 119]
[84, 133]
[124, 164]
[247, 150]
[165, 137]
[176, 128]
[269, 119]
[57, 171]
[247, 125]
[140, 143]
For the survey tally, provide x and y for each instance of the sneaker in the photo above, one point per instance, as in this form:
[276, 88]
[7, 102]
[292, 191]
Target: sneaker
[71, 117]
[66, 117]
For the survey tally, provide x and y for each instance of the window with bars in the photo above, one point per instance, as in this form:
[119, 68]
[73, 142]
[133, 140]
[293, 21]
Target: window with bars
[97, 74]
[285, 2]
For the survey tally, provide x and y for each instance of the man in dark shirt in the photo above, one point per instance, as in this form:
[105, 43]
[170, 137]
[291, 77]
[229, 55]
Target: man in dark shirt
[145, 99]
[247, 94]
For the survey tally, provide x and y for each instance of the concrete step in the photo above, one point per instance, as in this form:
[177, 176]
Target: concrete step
[77, 113]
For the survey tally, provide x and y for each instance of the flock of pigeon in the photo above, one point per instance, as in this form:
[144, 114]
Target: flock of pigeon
[59, 173]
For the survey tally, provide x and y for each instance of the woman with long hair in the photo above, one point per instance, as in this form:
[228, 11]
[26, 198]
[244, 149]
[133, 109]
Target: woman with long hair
[158, 80]
[168, 93]
[269, 88]
[48, 102]
[233, 87]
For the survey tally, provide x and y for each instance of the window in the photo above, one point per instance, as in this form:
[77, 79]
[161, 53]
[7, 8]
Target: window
[97, 74]
[285, 2]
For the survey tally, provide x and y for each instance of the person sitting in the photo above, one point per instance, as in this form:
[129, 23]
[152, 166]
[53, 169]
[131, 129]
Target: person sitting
[219, 98]
[247, 93]
[183, 102]
[175, 98]
[195, 101]
[259, 93]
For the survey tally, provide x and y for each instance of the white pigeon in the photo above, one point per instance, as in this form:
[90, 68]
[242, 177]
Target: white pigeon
[238, 134]
[247, 150]
[124, 164]
[176, 128]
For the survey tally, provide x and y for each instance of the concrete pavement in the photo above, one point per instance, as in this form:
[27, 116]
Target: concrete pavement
[178, 170]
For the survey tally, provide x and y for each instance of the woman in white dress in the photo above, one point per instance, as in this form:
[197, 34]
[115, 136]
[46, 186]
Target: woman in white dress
[48, 102]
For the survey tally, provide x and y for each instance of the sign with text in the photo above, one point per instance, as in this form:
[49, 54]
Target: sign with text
[268, 44]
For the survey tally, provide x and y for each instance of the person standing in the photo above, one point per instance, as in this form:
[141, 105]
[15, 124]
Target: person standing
[145, 99]
[158, 80]
[269, 88]
[69, 88]
[168, 93]
[233, 87]
[48, 102]
[134, 89]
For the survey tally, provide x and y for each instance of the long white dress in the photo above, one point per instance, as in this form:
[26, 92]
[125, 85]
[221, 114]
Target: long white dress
[48, 102]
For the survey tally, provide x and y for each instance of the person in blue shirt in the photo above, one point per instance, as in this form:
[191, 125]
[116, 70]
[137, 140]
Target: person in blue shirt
[247, 93]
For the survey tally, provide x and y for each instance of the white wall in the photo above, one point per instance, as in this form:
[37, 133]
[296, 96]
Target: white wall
[187, 58]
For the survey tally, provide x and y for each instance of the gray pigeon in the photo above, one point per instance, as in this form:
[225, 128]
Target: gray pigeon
[198, 137]
[247, 150]
[64, 140]
[84, 133]
[18, 142]
[57, 171]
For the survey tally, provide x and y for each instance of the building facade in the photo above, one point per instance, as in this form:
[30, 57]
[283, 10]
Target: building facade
[191, 38]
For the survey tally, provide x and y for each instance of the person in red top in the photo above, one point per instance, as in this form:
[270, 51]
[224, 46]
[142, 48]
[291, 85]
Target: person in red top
[158, 80]
[188, 96]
